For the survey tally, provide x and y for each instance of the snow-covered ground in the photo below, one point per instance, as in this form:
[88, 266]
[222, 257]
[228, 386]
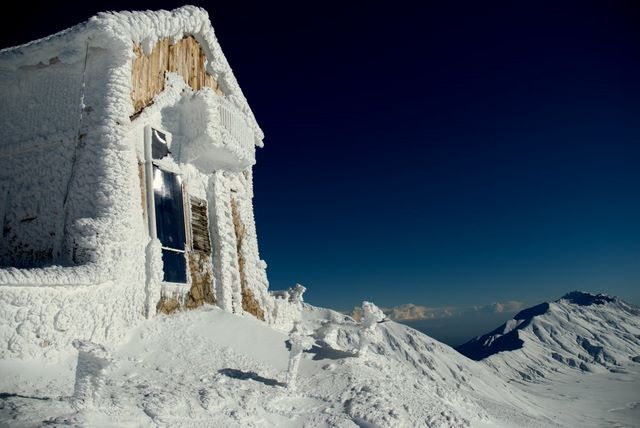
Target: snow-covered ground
[578, 356]
[606, 399]
[212, 368]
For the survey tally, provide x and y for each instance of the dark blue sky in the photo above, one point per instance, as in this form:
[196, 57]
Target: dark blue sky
[437, 154]
[446, 155]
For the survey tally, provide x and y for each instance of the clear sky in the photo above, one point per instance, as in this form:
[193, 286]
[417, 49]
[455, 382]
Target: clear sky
[444, 155]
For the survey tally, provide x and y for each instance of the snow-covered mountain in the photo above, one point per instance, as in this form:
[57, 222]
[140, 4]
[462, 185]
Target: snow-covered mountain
[580, 331]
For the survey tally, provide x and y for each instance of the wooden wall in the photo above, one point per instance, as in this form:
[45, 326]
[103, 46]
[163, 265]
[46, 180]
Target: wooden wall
[185, 58]
[199, 257]
[249, 302]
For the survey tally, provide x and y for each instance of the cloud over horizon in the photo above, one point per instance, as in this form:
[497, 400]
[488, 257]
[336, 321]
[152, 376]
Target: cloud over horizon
[413, 312]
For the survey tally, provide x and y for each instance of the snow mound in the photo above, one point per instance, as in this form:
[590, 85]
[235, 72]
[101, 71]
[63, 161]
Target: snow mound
[212, 368]
[580, 331]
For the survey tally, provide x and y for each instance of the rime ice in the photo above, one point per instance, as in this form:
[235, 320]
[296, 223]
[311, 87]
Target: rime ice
[125, 182]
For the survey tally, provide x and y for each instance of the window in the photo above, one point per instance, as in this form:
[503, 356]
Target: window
[169, 208]
[159, 144]
[165, 206]
[174, 266]
[167, 190]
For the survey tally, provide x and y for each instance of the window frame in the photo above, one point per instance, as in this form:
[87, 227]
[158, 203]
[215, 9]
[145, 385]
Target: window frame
[150, 164]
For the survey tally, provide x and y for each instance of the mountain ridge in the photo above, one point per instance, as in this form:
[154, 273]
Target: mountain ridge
[580, 330]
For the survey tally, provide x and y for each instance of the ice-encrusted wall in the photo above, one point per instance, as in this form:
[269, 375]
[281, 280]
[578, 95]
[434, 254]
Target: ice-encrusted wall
[93, 271]
[226, 188]
[224, 178]
[92, 285]
[44, 320]
[39, 118]
[32, 190]
[40, 103]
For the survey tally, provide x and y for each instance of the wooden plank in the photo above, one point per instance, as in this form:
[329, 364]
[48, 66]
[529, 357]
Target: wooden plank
[185, 58]
[200, 225]
[249, 302]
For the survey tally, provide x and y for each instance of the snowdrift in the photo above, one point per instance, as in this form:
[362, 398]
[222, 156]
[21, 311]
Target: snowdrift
[212, 368]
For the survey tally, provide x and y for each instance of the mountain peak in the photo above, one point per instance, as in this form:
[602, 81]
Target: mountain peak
[583, 298]
[584, 331]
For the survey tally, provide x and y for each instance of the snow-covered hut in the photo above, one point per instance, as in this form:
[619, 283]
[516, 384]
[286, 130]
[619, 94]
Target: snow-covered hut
[125, 181]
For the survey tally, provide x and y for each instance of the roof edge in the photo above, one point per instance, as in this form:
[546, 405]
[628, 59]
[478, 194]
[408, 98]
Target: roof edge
[121, 30]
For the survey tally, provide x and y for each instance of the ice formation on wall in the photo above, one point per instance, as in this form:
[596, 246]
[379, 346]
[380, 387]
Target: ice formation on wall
[76, 257]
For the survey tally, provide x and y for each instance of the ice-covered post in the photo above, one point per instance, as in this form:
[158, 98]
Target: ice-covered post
[301, 341]
[371, 316]
[295, 293]
[93, 359]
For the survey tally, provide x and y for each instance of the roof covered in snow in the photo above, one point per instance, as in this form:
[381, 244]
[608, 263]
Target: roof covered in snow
[122, 31]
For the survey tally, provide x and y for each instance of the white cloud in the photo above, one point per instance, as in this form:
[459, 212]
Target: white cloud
[413, 312]
[509, 306]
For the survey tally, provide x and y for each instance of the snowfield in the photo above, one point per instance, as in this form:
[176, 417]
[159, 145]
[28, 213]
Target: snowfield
[212, 368]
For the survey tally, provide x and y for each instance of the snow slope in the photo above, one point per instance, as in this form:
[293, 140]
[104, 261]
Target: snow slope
[212, 368]
[579, 332]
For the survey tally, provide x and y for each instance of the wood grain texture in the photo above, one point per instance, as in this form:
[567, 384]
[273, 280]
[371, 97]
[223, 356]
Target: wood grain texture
[249, 302]
[185, 58]
[200, 225]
